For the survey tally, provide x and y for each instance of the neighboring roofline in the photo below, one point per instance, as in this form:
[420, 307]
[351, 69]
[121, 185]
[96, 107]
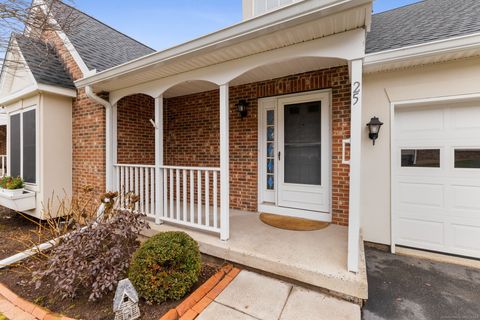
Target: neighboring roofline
[397, 8]
[423, 50]
[108, 26]
[35, 89]
[298, 13]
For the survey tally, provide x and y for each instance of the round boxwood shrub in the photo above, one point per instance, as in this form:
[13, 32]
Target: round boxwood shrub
[165, 267]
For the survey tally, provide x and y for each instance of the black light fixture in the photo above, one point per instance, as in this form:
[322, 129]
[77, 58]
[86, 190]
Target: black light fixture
[374, 128]
[242, 107]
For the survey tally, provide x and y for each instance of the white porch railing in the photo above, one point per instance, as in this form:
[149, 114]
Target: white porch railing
[3, 165]
[188, 195]
[140, 180]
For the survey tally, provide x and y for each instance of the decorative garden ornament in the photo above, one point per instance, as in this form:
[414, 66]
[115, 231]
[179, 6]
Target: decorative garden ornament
[125, 303]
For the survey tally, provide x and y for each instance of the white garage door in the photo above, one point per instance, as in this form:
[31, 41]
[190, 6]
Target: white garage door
[436, 178]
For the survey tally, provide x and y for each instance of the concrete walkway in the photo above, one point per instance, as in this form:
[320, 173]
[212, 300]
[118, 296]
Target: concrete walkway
[13, 312]
[252, 296]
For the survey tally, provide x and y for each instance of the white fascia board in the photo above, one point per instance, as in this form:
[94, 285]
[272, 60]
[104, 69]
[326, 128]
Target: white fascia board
[292, 15]
[424, 50]
[37, 88]
[66, 92]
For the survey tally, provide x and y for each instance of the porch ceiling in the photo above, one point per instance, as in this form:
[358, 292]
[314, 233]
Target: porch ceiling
[305, 21]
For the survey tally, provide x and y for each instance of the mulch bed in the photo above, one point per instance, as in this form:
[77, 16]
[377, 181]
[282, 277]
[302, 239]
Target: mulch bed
[16, 233]
[18, 279]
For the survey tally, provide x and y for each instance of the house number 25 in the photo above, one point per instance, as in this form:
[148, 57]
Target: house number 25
[356, 92]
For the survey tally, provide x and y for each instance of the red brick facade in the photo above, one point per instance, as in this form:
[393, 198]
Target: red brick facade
[135, 133]
[3, 140]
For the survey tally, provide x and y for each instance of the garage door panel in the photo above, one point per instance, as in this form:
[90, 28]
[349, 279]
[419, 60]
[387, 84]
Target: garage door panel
[425, 121]
[420, 231]
[466, 198]
[421, 194]
[465, 117]
[462, 236]
[437, 208]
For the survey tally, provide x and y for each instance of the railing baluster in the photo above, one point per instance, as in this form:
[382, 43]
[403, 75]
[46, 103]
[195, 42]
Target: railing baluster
[142, 190]
[121, 191]
[153, 203]
[136, 188]
[165, 193]
[215, 213]
[171, 213]
[130, 170]
[192, 196]
[185, 213]
[177, 176]
[199, 197]
[147, 191]
[207, 198]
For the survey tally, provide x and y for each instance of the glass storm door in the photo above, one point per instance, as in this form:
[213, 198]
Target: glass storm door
[303, 153]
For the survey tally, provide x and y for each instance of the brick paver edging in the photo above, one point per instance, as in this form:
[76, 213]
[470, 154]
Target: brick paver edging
[192, 306]
[30, 308]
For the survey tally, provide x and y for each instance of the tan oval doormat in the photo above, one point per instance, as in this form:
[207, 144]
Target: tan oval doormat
[292, 223]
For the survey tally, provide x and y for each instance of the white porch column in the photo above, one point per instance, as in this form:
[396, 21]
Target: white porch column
[158, 159]
[109, 161]
[224, 163]
[355, 158]
[115, 182]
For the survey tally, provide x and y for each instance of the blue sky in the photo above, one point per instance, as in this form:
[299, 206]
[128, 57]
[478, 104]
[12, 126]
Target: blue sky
[164, 23]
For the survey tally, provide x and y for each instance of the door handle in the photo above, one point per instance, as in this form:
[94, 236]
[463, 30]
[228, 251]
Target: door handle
[279, 155]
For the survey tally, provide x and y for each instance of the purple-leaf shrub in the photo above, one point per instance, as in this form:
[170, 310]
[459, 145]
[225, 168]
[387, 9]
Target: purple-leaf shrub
[95, 257]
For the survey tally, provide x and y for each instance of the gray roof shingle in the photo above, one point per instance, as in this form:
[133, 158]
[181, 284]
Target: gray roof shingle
[423, 22]
[43, 62]
[100, 46]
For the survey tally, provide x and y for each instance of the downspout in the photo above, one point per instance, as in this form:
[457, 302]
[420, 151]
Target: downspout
[108, 136]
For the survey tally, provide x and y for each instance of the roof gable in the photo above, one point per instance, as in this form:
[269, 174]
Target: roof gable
[43, 62]
[423, 22]
[100, 46]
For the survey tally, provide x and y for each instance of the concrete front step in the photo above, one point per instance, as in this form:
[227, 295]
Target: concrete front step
[317, 258]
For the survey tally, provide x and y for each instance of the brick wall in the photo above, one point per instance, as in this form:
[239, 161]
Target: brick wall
[88, 134]
[192, 133]
[135, 133]
[3, 140]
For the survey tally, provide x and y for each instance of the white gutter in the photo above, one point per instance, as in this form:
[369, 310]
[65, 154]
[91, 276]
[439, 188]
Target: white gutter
[421, 51]
[108, 135]
[299, 13]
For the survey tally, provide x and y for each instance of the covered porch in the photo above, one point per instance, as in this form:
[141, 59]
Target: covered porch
[175, 138]
[316, 258]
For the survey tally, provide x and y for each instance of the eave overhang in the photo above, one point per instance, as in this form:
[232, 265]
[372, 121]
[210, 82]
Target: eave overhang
[304, 21]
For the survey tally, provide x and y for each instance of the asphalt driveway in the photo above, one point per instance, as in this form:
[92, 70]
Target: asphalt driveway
[408, 288]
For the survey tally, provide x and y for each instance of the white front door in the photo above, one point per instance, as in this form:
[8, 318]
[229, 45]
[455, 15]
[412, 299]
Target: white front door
[295, 154]
[436, 181]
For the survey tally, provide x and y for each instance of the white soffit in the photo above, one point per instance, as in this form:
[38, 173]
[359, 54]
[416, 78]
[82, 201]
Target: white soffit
[278, 35]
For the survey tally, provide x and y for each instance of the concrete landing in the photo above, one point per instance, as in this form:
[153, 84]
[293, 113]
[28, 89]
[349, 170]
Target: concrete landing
[253, 296]
[318, 258]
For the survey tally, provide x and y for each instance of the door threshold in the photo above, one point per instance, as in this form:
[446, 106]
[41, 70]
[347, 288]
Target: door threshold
[292, 212]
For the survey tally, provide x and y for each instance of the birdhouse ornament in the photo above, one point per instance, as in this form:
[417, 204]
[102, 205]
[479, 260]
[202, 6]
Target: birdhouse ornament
[125, 303]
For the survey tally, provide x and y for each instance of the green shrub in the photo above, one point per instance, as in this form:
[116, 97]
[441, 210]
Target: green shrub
[165, 267]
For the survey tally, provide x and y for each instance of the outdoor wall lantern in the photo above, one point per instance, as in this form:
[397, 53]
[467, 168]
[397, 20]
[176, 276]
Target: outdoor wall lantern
[374, 128]
[242, 107]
